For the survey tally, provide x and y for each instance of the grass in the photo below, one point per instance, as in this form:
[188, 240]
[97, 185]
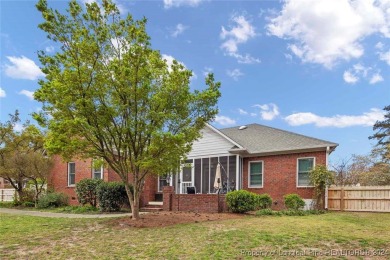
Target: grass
[65, 209]
[57, 238]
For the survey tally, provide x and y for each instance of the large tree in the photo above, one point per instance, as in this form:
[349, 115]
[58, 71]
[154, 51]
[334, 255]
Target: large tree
[382, 135]
[108, 94]
[23, 158]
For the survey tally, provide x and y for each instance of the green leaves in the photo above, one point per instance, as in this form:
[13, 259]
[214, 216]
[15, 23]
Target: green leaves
[108, 94]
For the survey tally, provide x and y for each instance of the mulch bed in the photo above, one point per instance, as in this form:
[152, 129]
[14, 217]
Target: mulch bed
[165, 218]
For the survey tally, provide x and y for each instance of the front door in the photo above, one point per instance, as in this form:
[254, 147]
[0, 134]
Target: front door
[187, 176]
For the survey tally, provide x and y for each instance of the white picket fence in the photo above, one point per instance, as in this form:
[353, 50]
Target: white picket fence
[7, 194]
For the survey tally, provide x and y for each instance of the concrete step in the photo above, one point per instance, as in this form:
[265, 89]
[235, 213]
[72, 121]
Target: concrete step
[155, 203]
[147, 209]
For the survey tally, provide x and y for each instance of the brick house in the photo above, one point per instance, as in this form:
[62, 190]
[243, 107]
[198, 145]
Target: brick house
[257, 158]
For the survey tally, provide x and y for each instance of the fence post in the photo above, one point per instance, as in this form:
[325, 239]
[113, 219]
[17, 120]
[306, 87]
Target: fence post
[2, 195]
[342, 202]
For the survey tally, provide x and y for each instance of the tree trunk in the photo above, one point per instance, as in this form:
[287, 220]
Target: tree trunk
[134, 202]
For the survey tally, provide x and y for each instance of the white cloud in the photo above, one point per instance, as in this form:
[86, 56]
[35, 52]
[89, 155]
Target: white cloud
[253, 114]
[340, 121]
[376, 78]
[224, 120]
[238, 34]
[379, 46]
[2, 93]
[88, 1]
[22, 68]
[385, 56]
[18, 127]
[268, 111]
[29, 94]
[358, 71]
[49, 49]
[235, 74]
[325, 32]
[245, 59]
[180, 28]
[350, 78]
[177, 3]
[242, 111]
[206, 71]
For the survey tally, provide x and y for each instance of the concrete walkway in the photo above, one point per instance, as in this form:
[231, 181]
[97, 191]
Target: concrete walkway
[60, 215]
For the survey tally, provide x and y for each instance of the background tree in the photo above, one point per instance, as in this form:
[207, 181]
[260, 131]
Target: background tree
[23, 158]
[109, 95]
[383, 136]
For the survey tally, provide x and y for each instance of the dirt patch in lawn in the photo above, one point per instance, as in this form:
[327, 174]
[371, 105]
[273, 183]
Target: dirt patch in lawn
[163, 219]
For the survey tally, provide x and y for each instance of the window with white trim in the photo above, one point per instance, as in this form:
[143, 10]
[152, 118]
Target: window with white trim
[71, 174]
[97, 172]
[305, 165]
[255, 174]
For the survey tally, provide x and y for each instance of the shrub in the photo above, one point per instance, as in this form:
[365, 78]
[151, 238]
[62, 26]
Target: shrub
[293, 202]
[269, 212]
[28, 204]
[111, 196]
[263, 201]
[53, 200]
[241, 201]
[86, 191]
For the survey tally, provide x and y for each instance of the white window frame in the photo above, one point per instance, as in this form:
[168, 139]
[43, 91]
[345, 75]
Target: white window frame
[249, 175]
[69, 184]
[297, 178]
[101, 172]
[159, 188]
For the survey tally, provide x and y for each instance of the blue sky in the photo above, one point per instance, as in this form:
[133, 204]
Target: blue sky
[314, 67]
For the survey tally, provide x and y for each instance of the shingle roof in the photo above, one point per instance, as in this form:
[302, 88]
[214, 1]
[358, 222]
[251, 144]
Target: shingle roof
[257, 139]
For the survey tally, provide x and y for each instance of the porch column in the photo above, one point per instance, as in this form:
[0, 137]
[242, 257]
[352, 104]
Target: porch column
[168, 191]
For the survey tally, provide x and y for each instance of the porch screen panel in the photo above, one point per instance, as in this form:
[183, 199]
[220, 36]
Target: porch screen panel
[198, 173]
[232, 171]
[213, 168]
[187, 171]
[205, 176]
[224, 169]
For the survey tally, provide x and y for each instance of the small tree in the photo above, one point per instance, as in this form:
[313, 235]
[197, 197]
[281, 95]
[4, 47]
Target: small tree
[321, 178]
[23, 157]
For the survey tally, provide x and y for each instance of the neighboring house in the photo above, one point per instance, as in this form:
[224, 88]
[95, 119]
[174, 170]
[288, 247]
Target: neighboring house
[257, 158]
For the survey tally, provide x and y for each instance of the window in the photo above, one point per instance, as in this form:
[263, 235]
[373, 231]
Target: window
[305, 165]
[255, 174]
[97, 172]
[71, 174]
[163, 180]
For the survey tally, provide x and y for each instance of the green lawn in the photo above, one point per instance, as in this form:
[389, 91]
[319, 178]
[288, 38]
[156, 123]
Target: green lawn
[49, 238]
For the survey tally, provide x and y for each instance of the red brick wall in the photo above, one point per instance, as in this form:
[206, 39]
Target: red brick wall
[280, 175]
[207, 203]
[58, 179]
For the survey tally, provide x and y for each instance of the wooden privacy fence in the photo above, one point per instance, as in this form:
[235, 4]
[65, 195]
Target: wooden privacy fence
[359, 198]
[7, 194]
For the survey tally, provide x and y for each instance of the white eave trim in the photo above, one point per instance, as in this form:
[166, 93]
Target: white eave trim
[305, 150]
[224, 136]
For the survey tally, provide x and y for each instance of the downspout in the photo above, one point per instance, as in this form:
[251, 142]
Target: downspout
[326, 188]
